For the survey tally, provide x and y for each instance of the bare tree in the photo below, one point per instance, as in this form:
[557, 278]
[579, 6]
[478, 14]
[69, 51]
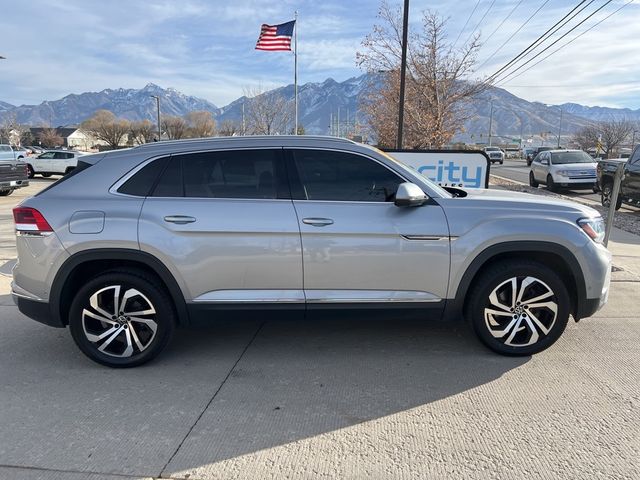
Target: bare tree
[201, 124]
[142, 132]
[49, 138]
[268, 113]
[438, 85]
[174, 127]
[104, 125]
[229, 128]
[609, 134]
[11, 131]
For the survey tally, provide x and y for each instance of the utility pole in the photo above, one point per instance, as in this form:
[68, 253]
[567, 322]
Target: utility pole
[490, 121]
[403, 69]
[243, 124]
[560, 127]
[338, 123]
[157, 97]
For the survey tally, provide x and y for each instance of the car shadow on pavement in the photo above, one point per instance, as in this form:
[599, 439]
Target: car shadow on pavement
[225, 391]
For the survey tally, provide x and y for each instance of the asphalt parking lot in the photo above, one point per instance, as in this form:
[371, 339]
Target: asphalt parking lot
[332, 399]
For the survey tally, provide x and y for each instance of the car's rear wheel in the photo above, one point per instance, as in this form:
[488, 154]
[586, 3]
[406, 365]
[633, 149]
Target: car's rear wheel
[532, 180]
[46, 175]
[30, 172]
[121, 318]
[551, 185]
[6, 193]
[606, 194]
[519, 307]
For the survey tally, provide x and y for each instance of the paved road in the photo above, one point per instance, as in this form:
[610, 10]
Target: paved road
[352, 399]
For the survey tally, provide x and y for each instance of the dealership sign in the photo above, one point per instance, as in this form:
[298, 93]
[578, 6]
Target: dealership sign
[448, 168]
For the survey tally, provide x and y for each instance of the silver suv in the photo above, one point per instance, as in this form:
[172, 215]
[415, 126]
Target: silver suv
[135, 242]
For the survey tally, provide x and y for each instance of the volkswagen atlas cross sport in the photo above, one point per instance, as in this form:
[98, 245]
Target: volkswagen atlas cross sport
[135, 242]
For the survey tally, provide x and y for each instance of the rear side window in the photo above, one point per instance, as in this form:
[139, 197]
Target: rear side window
[340, 176]
[79, 168]
[141, 183]
[247, 174]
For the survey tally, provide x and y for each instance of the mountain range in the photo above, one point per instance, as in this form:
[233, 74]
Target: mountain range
[320, 105]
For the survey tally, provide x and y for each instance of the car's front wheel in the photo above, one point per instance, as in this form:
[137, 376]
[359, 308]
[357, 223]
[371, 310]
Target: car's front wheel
[606, 193]
[519, 307]
[532, 180]
[30, 172]
[5, 193]
[121, 318]
[551, 185]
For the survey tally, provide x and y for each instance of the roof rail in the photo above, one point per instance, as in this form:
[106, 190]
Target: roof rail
[247, 137]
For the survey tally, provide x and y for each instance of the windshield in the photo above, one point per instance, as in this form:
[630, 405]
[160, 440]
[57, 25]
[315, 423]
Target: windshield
[437, 188]
[563, 158]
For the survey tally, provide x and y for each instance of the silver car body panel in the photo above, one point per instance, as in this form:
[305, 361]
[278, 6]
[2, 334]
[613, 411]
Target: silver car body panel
[261, 251]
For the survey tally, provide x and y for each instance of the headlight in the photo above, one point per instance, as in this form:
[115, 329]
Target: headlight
[593, 227]
[562, 173]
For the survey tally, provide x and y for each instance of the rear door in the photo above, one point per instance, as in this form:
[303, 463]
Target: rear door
[224, 223]
[358, 247]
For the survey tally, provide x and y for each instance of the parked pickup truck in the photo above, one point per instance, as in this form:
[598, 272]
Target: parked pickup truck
[630, 186]
[13, 172]
[53, 162]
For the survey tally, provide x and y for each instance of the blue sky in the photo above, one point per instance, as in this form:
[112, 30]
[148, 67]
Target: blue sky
[206, 48]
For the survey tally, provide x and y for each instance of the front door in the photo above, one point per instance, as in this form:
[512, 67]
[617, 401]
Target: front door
[358, 247]
[631, 182]
[225, 223]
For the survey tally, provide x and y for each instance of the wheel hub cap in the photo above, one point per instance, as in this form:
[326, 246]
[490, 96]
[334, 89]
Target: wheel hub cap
[521, 311]
[120, 322]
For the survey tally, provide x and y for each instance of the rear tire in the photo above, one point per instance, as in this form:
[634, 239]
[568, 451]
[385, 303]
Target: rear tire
[518, 307]
[122, 318]
[6, 193]
[532, 180]
[46, 175]
[30, 172]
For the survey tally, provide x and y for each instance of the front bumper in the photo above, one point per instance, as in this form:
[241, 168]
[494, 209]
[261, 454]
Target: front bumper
[603, 263]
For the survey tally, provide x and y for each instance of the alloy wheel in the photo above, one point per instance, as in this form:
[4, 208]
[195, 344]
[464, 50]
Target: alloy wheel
[521, 311]
[119, 322]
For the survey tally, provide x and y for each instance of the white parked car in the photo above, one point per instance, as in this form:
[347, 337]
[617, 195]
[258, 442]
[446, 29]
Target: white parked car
[495, 154]
[557, 169]
[54, 162]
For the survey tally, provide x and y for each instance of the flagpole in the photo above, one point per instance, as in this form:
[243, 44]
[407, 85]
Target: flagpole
[295, 73]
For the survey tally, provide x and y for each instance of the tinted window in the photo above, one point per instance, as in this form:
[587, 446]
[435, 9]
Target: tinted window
[170, 183]
[47, 155]
[635, 157]
[562, 158]
[230, 174]
[327, 175]
[141, 183]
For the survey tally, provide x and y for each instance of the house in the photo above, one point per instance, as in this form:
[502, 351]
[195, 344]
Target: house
[72, 137]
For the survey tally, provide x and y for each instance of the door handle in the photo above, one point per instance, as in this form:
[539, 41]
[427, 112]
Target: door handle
[317, 222]
[179, 219]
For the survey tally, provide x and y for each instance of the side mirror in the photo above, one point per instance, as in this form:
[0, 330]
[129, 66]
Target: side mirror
[544, 162]
[410, 195]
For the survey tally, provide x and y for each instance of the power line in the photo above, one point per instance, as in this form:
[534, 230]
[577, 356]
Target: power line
[480, 22]
[467, 22]
[514, 34]
[538, 41]
[567, 43]
[519, 67]
[502, 22]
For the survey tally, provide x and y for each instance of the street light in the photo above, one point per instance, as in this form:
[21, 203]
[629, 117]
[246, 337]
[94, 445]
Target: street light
[559, 124]
[490, 122]
[157, 97]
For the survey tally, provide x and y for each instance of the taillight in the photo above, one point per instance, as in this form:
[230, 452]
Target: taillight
[30, 220]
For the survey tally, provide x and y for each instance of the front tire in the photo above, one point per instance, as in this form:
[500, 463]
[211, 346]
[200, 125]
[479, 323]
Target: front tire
[46, 175]
[122, 318]
[532, 180]
[605, 196]
[30, 172]
[519, 307]
[6, 193]
[551, 185]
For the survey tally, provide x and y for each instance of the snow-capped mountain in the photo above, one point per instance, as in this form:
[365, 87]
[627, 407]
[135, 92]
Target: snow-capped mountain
[320, 104]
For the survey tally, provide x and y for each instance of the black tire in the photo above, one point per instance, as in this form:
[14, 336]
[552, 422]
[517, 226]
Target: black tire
[532, 181]
[6, 193]
[497, 278]
[46, 175]
[120, 329]
[605, 196]
[30, 172]
[501, 162]
[551, 185]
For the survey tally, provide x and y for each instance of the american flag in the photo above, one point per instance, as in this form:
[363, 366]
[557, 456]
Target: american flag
[276, 38]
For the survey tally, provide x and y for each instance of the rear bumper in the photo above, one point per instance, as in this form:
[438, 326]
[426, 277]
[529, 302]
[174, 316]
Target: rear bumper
[36, 310]
[7, 184]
